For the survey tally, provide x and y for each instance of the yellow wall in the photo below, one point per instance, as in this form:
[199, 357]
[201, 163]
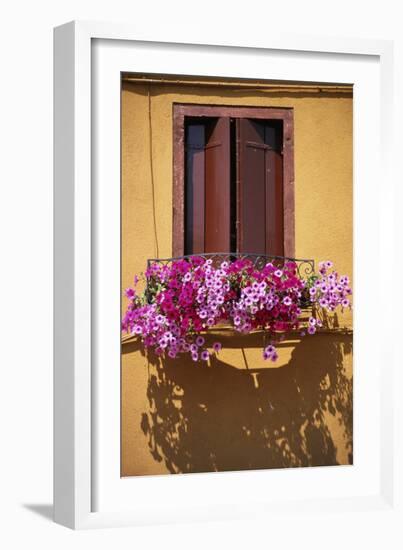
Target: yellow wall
[180, 417]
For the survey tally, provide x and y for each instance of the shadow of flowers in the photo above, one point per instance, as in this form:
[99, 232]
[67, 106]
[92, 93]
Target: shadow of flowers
[219, 418]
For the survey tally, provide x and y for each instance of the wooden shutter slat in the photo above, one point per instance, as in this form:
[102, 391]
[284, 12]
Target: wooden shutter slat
[274, 203]
[250, 187]
[217, 186]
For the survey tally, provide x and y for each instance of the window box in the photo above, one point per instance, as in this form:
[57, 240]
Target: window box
[186, 296]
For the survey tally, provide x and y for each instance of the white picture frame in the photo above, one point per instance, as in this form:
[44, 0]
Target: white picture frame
[88, 59]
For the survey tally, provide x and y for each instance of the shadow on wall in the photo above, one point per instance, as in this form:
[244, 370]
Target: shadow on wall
[219, 418]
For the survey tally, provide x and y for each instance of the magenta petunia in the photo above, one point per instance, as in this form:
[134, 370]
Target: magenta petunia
[130, 293]
[200, 341]
[217, 347]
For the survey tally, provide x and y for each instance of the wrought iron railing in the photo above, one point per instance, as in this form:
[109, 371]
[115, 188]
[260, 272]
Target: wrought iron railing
[305, 267]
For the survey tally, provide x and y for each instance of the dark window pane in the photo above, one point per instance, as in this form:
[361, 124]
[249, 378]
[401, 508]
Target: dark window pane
[195, 188]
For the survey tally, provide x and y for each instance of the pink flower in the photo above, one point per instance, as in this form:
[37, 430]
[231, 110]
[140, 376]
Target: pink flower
[200, 340]
[129, 293]
[163, 342]
[217, 347]
[270, 352]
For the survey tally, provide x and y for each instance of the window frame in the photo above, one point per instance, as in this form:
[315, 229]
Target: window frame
[180, 111]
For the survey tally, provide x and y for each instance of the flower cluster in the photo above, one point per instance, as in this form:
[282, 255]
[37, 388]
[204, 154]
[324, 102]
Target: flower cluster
[185, 298]
[328, 290]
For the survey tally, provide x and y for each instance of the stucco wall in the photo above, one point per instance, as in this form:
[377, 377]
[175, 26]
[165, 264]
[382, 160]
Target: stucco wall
[181, 417]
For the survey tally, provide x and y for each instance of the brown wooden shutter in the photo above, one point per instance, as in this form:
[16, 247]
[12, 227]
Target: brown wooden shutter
[217, 186]
[207, 212]
[260, 225]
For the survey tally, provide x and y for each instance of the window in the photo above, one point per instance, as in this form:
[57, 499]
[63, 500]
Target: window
[233, 180]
